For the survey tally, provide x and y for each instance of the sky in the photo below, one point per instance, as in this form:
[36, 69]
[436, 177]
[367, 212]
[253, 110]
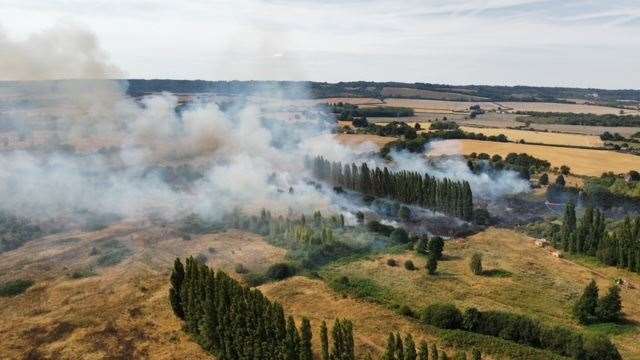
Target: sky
[578, 43]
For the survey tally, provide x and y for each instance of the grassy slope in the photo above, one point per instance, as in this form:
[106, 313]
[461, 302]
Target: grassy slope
[540, 285]
[122, 312]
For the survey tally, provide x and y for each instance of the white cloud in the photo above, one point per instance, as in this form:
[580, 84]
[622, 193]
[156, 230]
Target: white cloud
[538, 42]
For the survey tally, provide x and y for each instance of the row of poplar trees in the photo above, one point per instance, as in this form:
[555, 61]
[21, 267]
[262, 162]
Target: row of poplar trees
[397, 349]
[235, 322]
[588, 236]
[450, 197]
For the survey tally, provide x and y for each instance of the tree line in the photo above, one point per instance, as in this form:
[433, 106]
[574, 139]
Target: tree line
[236, 322]
[523, 330]
[450, 197]
[346, 111]
[620, 247]
[610, 120]
[417, 145]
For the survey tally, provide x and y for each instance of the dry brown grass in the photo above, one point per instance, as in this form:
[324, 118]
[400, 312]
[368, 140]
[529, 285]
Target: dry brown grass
[428, 94]
[440, 106]
[354, 101]
[540, 284]
[558, 107]
[540, 136]
[581, 161]
[313, 299]
[123, 311]
[463, 106]
[360, 139]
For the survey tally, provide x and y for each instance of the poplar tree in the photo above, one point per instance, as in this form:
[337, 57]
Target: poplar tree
[423, 352]
[324, 341]
[306, 353]
[409, 348]
[177, 277]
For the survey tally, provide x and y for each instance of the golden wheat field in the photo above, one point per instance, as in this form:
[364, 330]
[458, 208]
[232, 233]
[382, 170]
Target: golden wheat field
[540, 136]
[581, 161]
[359, 139]
[458, 106]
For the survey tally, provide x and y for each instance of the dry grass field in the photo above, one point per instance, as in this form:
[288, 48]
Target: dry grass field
[359, 139]
[428, 94]
[537, 283]
[354, 101]
[463, 106]
[540, 136]
[313, 299]
[581, 161]
[558, 107]
[121, 311]
[439, 106]
[587, 130]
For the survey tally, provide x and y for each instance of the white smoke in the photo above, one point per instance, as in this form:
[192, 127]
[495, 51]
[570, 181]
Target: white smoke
[483, 185]
[65, 51]
[250, 157]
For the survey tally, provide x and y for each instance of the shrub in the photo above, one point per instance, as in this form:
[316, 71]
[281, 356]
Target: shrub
[15, 287]
[255, 279]
[444, 316]
[280, 271]
[392, 262]
[544, 179]
[409, 265]
[405, 310]
[360, 288]
[376, 226]
[404, 213]
[400, 236]
[81, 274]
[240, 269]
[475, 264]
[112, 252]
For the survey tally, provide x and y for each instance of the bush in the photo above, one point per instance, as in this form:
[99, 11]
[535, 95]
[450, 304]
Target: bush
[112, 252]
[81, 274]
[409, 265]
[404, 213]
[255, 279]
[376, 226]
[360, 288]
[405, 310]
[280, 271]
[16, 287]
[544, 179]
[400, 236]
[392, 262]
[475, 264]
[240, 269]
[444, 316]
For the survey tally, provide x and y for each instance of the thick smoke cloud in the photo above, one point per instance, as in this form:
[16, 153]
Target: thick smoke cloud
[483, 185]
[63, 52]
[250, 156]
